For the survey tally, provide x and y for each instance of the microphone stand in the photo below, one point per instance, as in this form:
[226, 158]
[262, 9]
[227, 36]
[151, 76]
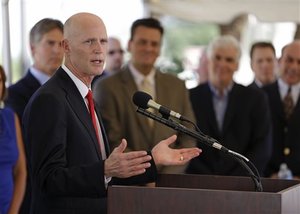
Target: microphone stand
[209, 141]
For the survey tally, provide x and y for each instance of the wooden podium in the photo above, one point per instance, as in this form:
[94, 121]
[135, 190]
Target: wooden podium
[206, 194]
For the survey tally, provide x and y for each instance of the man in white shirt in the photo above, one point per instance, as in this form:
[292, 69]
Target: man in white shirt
[286, 125]
[114, 94]
[69, 169]
[47, 53]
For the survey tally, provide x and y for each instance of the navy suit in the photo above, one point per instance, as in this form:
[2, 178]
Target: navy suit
[246, 130]
[66, 167]
[20, 93]
[285, 134]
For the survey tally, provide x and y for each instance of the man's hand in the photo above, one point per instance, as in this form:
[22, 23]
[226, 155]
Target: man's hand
[123, 165]
[164, 155]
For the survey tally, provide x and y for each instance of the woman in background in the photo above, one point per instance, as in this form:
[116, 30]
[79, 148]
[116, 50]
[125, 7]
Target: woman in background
[12, 157]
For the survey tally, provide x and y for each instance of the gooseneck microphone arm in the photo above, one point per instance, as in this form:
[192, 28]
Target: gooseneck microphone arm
[242, 160]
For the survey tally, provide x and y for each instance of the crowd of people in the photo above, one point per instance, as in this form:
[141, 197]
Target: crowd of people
[68, 128]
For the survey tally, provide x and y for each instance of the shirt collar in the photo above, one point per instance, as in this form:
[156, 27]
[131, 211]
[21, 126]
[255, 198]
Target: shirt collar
[39, 75]
[258, 83]
[83, 89]
[139, 77]
[283, 89]
[217, 93]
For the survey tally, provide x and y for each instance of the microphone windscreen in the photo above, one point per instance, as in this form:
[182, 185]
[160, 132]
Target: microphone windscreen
[141, 99]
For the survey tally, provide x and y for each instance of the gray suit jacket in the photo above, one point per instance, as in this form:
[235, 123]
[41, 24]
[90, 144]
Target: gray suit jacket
[114, 96]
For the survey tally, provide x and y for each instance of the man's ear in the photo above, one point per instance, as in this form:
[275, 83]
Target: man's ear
[65, 45]
[32, 49]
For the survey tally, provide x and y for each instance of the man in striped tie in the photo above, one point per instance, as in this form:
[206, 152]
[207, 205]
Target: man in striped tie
[285, 111]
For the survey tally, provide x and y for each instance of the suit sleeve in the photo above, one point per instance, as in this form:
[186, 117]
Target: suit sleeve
[49, 138]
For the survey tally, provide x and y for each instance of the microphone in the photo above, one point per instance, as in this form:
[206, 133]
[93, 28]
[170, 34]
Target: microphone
[242, 160]
[144, 100]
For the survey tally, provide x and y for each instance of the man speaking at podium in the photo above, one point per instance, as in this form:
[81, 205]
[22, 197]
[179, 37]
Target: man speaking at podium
[69, 158]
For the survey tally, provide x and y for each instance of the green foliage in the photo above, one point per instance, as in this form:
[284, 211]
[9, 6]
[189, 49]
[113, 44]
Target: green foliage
[179, 35]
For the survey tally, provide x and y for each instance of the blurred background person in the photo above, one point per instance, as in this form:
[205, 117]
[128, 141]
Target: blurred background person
[114, 94]
[12, 157]
[114, 58]
[235, 115]
[202, 69]
[47, 54]
[285, 108]
[263, 63]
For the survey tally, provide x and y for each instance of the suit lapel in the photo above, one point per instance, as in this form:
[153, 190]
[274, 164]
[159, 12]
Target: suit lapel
[212, 121]
[278, 105]
[231, 107]
[77, 104]
[31, 82]
[161, 96]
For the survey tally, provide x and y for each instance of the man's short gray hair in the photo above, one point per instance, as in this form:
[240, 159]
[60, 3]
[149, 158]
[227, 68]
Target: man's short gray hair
[224, 42]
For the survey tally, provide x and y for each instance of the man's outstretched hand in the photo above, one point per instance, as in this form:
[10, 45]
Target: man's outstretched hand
[164, 155]
[123, 165]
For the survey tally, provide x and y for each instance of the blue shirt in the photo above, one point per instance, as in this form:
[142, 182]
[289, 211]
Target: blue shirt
[220, 102]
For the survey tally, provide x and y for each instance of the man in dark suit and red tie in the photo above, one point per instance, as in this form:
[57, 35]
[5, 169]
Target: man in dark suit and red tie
[70, 166]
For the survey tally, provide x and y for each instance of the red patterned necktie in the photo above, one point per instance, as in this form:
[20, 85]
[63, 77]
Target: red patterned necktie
[89, 97]
[288, 104]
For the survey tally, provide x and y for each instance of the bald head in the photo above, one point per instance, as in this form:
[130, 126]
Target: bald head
[85, 45]
[289, 63]
[75, 24]
[115, 55]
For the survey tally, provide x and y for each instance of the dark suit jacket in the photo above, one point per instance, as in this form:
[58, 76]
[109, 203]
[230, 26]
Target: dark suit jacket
[66, 167]
[20, 93]
[114, 95]
[246, 130]
[254, 85]
[285, 134]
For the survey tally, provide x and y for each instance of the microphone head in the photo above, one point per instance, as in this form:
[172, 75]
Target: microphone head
[141, 99]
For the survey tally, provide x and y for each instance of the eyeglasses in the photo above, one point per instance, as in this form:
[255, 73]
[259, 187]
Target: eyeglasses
[112, 52]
